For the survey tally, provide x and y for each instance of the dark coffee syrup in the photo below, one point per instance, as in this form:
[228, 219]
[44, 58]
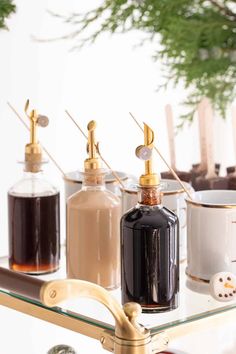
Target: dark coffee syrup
[150, 258]
[34, 233]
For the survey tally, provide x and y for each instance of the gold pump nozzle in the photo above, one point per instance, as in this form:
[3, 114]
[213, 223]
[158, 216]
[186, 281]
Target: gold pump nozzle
[144, 152]
[33, 151]
[92, 162]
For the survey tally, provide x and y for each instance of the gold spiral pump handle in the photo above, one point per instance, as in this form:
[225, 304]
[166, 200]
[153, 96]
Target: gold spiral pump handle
[148, 141]
[33, 151]
[148, 179]
[93, 162]
[33, 124]
[91, 139]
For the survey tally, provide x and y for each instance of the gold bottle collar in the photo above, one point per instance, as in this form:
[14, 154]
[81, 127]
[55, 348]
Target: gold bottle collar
[149, 180]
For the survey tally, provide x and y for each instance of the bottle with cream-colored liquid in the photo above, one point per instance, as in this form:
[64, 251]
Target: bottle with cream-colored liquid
[93, 218]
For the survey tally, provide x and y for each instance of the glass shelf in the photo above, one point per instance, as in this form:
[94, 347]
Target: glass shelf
[193, 305]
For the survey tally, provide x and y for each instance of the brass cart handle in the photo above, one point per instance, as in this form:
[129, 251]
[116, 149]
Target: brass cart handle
[130, 337]
[54, 292]
[21, 284]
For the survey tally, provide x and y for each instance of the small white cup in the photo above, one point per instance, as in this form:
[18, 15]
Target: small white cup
[211, 234]
[173, 199]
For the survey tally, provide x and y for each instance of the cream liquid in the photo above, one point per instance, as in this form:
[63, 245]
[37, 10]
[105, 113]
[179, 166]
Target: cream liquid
[93, 237]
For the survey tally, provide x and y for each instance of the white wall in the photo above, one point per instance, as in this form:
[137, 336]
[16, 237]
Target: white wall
[102, 82]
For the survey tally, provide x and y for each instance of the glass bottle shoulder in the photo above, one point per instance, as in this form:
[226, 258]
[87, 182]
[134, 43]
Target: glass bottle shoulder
[142, 216]
[94, 197]
[33, 184]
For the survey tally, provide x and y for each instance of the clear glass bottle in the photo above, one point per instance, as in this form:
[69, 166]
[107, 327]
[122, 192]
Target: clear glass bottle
[93, 228]
[34, 213]
[34, 225]
[150, 244]
[93, 232]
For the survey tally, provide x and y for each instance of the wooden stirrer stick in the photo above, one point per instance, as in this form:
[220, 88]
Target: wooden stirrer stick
[209, 123]
[201, 109]
[234, 129]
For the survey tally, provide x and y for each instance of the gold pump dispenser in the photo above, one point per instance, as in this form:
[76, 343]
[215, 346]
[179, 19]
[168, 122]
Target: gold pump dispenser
[33, 151]
[34, 211]
[144, 152]
[154, 230]
[93, 162]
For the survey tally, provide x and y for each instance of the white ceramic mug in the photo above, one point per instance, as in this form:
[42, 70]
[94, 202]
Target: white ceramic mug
[73, 182]
[173, 199]
[211, 234]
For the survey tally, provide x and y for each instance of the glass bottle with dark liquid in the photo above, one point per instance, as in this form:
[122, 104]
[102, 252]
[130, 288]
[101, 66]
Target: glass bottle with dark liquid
[34, 216]
[150, 245]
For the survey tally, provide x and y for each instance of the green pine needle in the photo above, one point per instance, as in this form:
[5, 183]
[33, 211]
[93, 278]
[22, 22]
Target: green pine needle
[6, 8]
[197, 37]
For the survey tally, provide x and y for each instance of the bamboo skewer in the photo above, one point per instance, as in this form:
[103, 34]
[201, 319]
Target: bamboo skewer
[77, 125]
[164, 160]
[46, 151]
[102, 158]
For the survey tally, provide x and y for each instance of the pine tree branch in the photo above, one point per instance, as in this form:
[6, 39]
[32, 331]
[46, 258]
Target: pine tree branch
[224, 9]
[197, 41]
[6, 8]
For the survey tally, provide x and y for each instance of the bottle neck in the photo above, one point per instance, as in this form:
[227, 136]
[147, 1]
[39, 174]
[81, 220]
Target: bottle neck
[150, 196]
[94, 180]
[33, 175]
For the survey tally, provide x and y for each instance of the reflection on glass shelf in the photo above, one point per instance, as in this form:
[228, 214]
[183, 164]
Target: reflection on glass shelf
[193, 305]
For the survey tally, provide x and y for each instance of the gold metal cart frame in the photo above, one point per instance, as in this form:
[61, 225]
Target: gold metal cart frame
[127, 337]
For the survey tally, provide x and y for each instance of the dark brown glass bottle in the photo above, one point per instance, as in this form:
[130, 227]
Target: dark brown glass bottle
[34, 226]
[150, 254]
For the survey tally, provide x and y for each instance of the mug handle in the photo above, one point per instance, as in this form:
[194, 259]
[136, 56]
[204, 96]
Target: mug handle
[233, 241]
